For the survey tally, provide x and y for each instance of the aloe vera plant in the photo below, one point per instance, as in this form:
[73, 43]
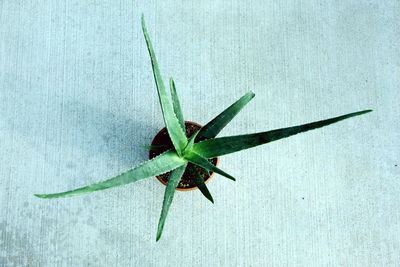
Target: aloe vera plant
[186, 151]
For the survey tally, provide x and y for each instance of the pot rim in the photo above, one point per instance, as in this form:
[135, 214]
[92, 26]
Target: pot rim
[182, 189]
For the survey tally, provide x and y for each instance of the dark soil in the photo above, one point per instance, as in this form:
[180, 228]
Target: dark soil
[188, 178]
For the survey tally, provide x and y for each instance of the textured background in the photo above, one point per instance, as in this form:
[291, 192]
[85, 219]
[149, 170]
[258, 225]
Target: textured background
[77, 98]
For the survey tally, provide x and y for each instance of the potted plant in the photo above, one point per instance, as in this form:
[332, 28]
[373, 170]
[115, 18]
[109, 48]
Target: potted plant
[184, 155]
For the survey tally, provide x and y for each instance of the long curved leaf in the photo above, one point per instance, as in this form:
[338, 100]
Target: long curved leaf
[212, 148]
[203, 187]
[173, 182]
[176, 104]
[204, 163]
[212, 129]
[158, 165]
[175, 131]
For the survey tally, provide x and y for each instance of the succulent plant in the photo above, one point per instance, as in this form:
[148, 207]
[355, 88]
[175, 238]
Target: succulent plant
[191, 150]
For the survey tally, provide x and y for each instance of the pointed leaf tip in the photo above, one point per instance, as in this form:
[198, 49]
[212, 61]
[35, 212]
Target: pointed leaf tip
[176, 104]
[204, 163]
[142, 20]
[175, 131]
[172, 183]
[215, 126]
[212, 148]
[163, 163]
[158, 237]
[201, 185]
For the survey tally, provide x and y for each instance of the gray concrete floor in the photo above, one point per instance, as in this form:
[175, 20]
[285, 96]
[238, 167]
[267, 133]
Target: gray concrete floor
[77, 99]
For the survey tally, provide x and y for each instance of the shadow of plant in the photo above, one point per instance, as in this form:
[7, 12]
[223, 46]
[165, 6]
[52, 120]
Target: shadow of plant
[90, 130]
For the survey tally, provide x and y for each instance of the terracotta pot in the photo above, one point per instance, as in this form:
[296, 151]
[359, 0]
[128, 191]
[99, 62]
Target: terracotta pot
[154, 143]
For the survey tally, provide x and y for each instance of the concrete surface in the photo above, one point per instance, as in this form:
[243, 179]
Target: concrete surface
[77, 98]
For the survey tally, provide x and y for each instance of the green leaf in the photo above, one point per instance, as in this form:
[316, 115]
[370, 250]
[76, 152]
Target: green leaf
[191, 142]
[175, 131]
[204, 163]
[212, 148]
[202, 187]
[153, 147]
[212, 129]
[158, 165]
[176, 104]
[173, 182]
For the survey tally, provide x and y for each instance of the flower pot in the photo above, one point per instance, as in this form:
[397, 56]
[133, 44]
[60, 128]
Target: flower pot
[187, 182]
